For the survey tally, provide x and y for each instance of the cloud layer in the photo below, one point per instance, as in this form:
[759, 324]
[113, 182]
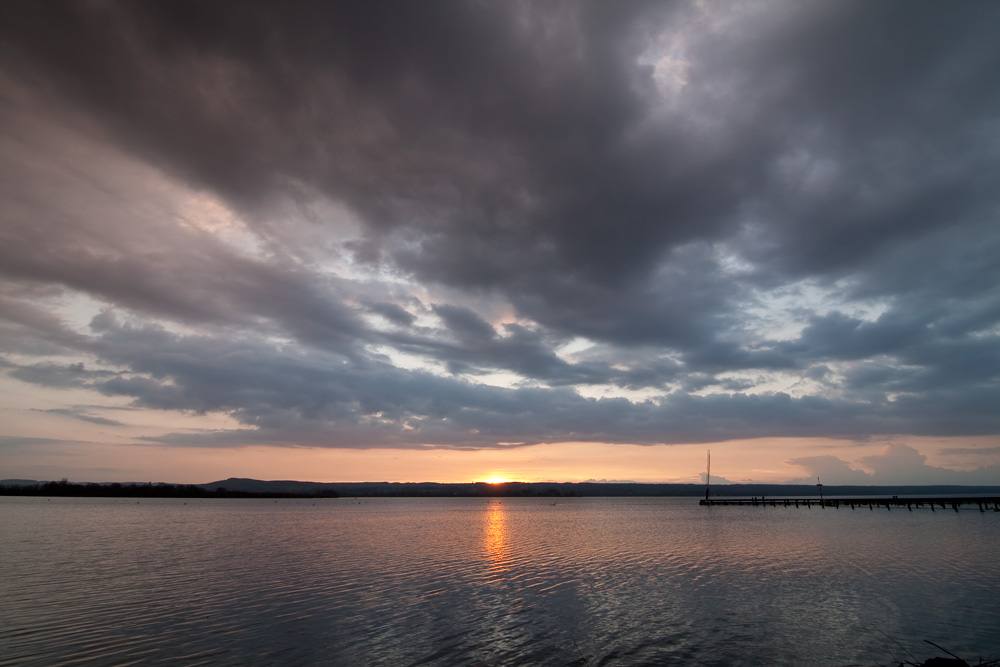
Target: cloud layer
[478, 225]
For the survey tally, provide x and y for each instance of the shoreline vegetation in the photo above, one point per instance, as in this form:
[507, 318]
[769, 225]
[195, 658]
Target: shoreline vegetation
[65, 488]
[252, 488]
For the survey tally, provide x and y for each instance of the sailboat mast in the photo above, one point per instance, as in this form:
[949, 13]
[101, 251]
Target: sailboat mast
[708, 475]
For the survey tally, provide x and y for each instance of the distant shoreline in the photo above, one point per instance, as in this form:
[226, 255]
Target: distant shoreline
[252, 488]
[136, 490]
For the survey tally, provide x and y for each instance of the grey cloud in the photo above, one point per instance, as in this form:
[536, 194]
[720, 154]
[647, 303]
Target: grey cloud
[15, 442]
[900, 462]
[392, 312]
[529, 154]
[457, 192]
[192, 279]
[464, 323]
[29, 329]
[964, 451]
[837, 336]
[831, 469]
[83, 416]
[59, 376]
[121, 235]
[476, 348]
[288, 396]
[896, 464]
[492, 111]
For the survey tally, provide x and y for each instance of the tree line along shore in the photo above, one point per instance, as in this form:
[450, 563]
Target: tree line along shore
[251, 488]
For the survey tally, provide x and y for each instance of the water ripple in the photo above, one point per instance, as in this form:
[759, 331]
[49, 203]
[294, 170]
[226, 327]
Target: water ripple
[465, 581]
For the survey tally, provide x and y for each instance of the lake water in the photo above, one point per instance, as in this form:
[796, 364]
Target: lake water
[588, 581]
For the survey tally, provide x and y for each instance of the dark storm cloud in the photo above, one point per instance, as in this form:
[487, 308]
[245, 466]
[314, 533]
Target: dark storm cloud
[497, 125]
[641, 175]
[492, 142]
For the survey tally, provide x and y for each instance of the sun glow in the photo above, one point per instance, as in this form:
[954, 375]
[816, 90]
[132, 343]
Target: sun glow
[496, 480]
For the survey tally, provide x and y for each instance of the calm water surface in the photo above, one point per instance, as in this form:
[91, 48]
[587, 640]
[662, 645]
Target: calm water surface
[590, 581]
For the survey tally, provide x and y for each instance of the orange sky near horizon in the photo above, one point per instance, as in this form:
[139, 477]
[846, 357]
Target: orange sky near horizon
[762, 460]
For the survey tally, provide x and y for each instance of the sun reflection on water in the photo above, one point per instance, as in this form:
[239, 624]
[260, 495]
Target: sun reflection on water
[495, 540]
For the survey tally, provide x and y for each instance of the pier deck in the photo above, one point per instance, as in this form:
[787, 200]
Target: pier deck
[947, 502]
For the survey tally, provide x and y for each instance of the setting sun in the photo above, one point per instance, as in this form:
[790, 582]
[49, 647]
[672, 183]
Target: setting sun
[496, 480]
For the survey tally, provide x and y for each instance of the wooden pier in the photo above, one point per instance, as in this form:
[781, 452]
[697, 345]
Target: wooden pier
[945, 503]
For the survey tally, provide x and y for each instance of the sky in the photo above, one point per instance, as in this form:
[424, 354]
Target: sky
[545, 241]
